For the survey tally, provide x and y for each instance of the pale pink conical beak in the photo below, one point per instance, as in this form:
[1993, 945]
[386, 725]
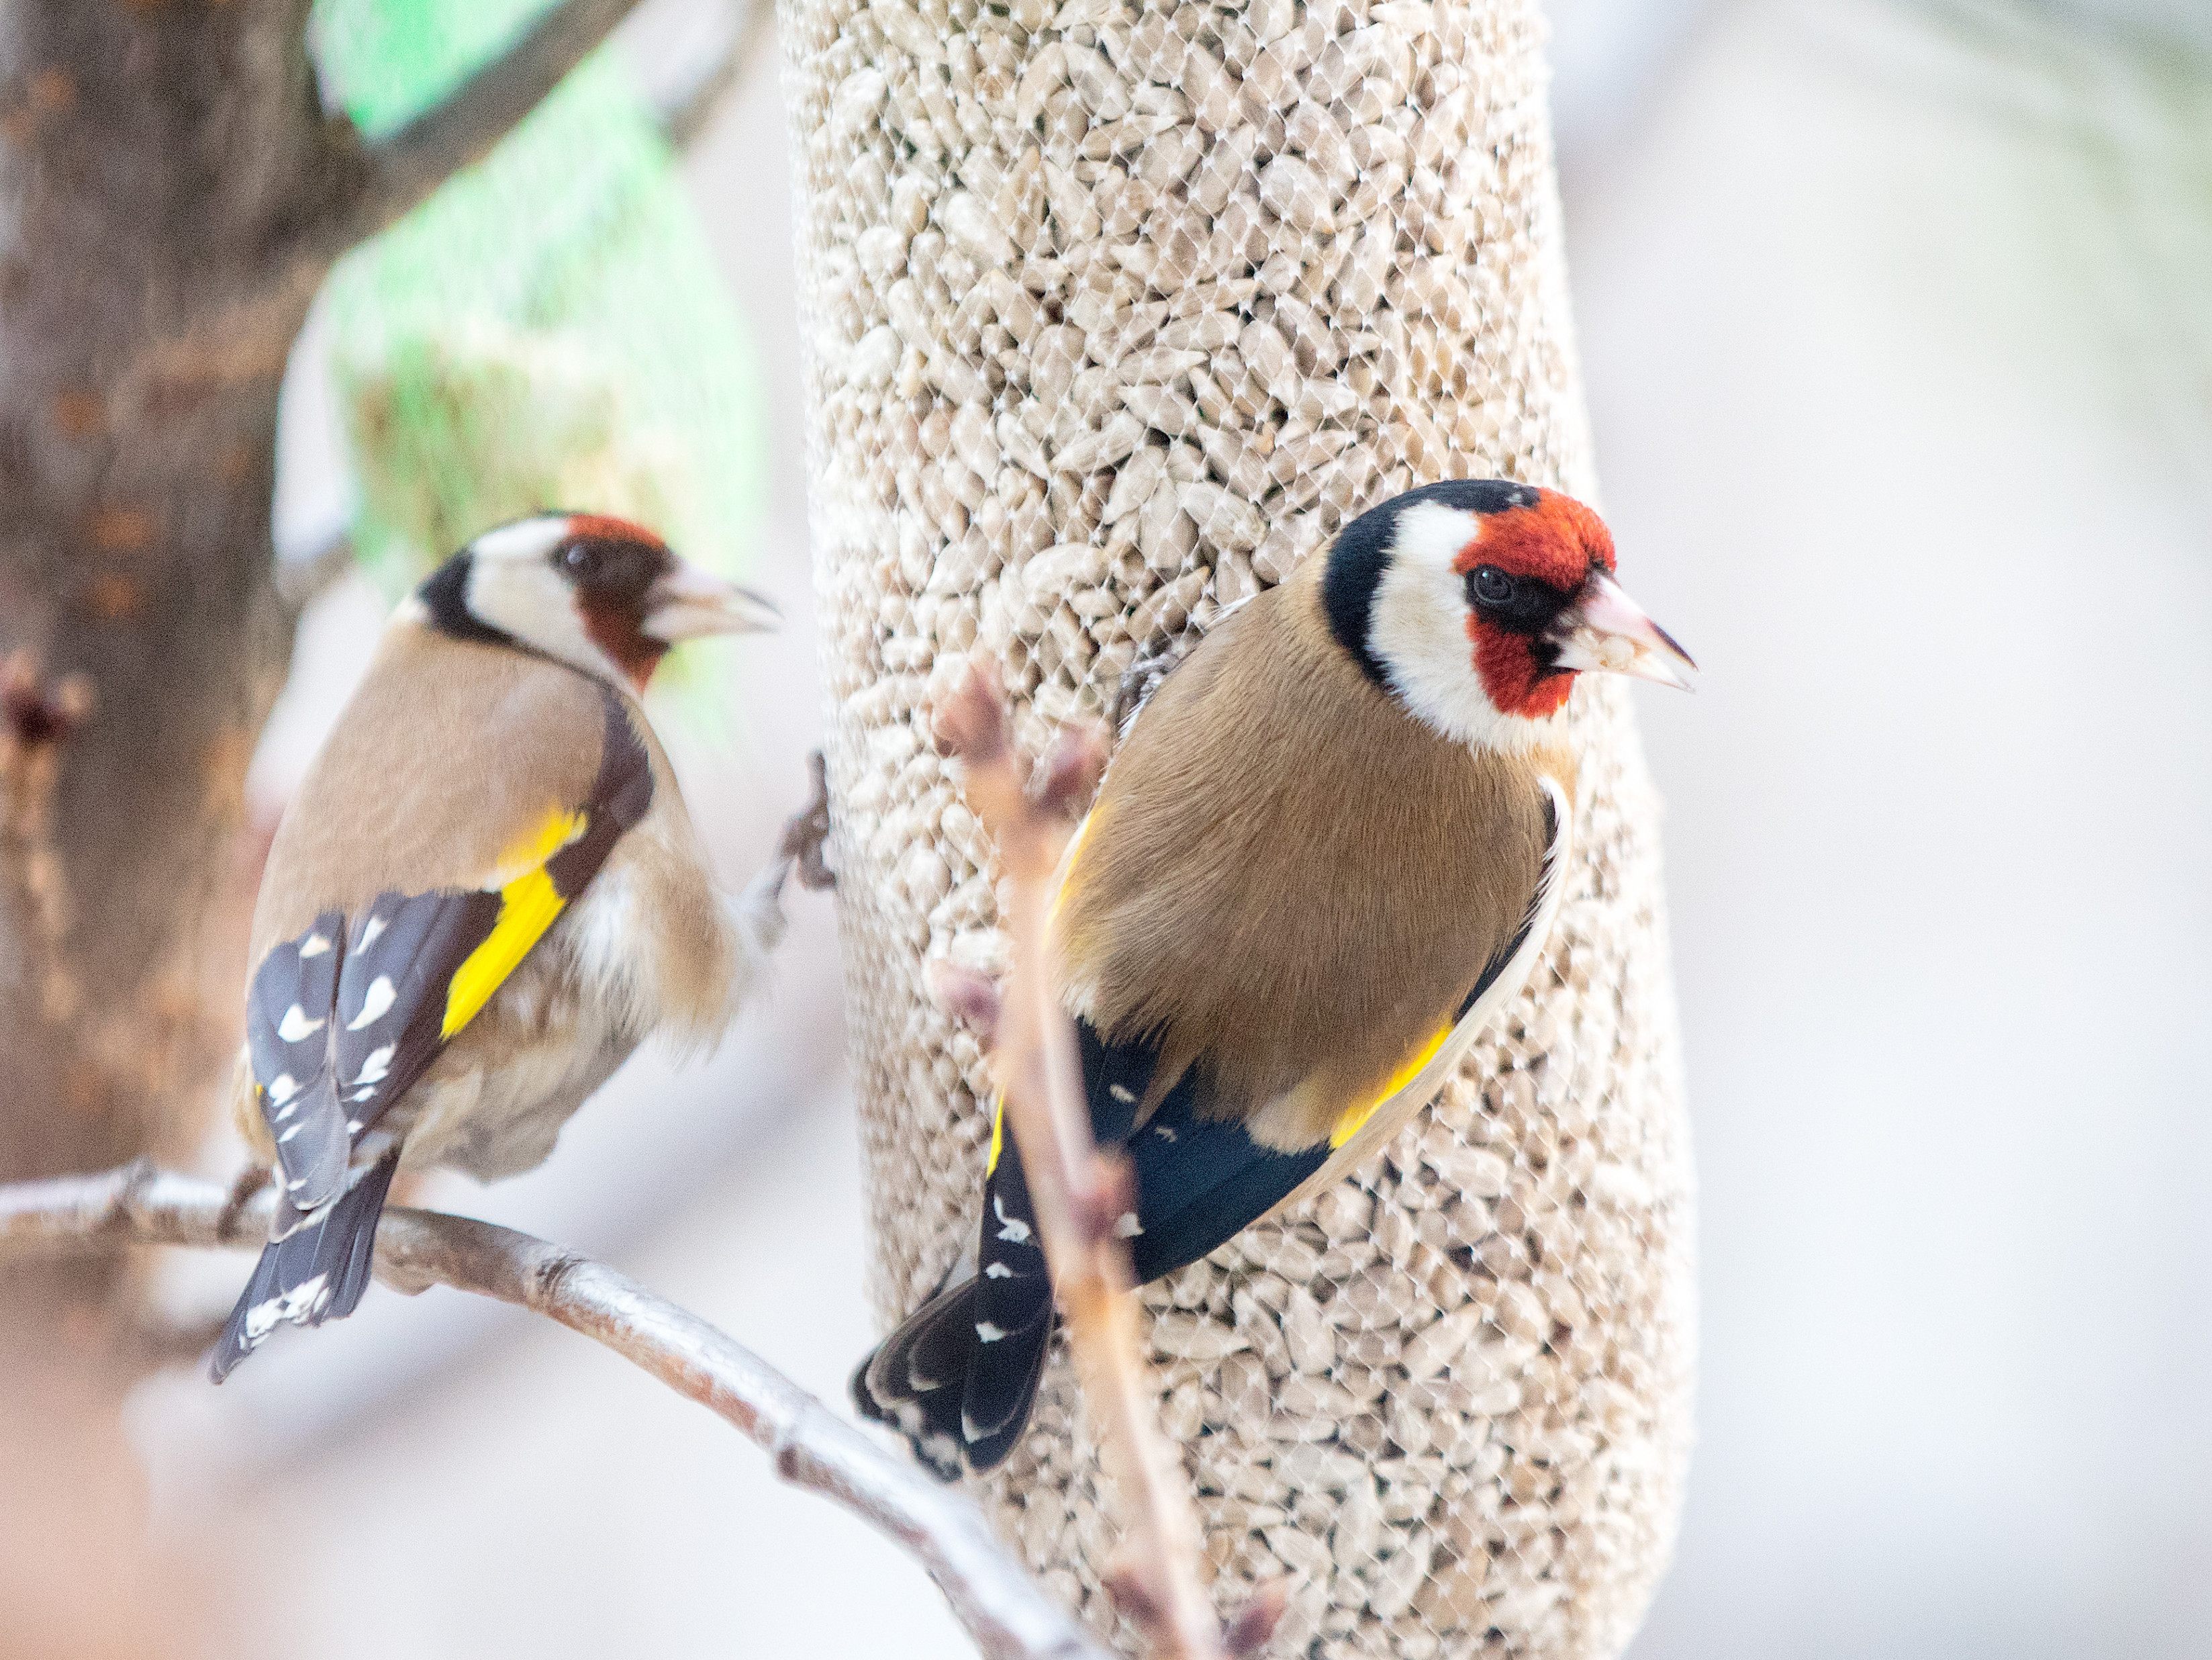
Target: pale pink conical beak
[1602, 629]
[689, 602]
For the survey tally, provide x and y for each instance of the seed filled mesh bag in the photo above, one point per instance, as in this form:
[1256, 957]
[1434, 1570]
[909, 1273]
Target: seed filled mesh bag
[1116, 310]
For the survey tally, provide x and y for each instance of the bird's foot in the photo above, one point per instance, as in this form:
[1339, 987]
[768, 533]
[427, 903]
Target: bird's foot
[759, 909]
[807, 832]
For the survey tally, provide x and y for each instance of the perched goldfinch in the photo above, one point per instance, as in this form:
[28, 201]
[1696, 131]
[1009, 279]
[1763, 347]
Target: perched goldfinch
[1324, 855]
[485, 894]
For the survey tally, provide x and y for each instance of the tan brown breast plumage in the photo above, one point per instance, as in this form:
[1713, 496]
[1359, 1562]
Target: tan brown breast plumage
[459, 766]
[1288, 881]
[449, 752]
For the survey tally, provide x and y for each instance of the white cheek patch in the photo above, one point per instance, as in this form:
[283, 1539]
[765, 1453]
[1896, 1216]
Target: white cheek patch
[1417, 630]
[1418, 625]
[513, 587]
[529, 600]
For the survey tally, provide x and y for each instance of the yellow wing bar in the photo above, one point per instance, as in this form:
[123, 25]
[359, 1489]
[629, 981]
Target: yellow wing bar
[528, 905]
[1067, 857]
[1347, 1125]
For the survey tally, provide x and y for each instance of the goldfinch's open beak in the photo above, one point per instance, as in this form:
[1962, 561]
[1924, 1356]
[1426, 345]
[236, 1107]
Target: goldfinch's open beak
[1603, 628]
[690, 602]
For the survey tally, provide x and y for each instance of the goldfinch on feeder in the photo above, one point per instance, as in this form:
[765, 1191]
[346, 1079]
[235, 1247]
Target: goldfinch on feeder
[1325, 855]
[486, 893]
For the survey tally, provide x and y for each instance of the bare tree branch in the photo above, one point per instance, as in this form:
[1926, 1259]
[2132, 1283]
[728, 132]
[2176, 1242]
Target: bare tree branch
[1008, 1617]
[1079, 1195]
[688, 114]
[385, 178]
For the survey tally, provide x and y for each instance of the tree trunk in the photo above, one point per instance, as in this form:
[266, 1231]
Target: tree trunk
[154, 159]
[1118, 310]
[172, 194]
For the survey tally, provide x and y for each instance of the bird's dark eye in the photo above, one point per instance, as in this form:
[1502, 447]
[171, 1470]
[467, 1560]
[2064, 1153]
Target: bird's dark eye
[580, 559]
[1490, 585]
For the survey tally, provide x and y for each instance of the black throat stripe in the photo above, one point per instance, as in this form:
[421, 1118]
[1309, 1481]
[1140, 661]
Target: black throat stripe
[1356, 564]
[445, 596]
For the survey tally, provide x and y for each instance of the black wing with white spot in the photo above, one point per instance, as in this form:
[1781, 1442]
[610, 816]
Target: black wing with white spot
[288, 1037]
[1012, 1315]
[343, 1020]
[346, 1019]
[957, 1377]
[401, 959]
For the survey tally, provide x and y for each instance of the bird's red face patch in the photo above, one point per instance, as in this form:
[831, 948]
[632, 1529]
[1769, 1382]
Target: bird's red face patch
[605, 527]
[614, 630]
[612, 565]
[1554, 543]
[1513, 680]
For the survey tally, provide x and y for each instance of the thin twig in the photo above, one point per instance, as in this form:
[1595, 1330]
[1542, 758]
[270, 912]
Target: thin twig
[1078, 1193]
[383, 179]
[1008, 1617]
[687, 115]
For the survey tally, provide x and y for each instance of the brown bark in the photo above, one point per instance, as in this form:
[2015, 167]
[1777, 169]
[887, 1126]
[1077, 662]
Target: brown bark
[154, 161]
[171, 195]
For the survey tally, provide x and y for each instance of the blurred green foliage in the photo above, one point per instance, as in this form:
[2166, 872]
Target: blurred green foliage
[549, 330]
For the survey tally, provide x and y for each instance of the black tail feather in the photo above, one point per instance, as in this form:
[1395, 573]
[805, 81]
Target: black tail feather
[1002, 1384]
[1002, 1379]
[315, 1273]
[918, 1380]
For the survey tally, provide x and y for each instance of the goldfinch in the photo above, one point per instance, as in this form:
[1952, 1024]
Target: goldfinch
[485, 894]
[1325, 854]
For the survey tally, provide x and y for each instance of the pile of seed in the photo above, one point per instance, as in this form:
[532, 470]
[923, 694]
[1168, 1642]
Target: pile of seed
[1114, 312]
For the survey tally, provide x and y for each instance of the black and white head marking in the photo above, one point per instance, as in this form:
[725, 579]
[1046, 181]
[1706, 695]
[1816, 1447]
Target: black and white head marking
[1396, 600]
[524, 584]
